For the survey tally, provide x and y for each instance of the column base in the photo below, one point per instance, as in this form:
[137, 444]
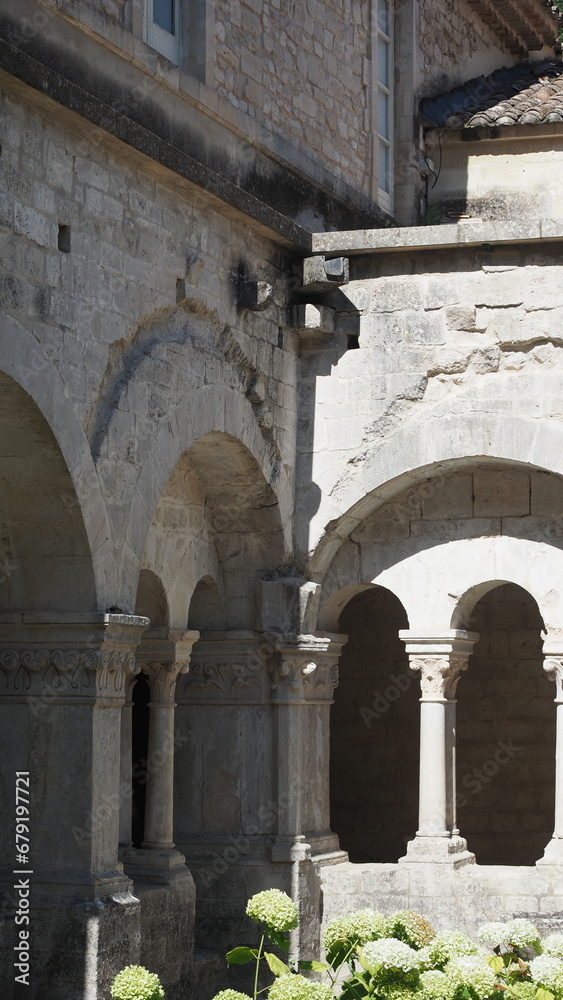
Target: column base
[289, 850]
[160, 866]
[438, 850]
[553, 854]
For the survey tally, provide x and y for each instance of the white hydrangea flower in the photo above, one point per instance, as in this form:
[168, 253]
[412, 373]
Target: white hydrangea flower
[523, 933]
[136, 983]
[553, 945]
[435, 985]
[231, 995]
[494, 933]
[293, 987]
[389, 954]
[470, 972]
[451, 944]
[274, 908]
[547, 971]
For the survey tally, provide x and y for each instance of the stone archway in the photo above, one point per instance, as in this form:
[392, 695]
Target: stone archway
[374, 732]
[506, 733]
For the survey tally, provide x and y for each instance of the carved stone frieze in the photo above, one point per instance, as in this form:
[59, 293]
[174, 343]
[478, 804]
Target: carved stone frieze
[55, 674]
[439, 675]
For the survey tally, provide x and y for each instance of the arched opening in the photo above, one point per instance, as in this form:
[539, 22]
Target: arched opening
[45, 561]
[374, 744]
[506, 733]
[151, 599]
[206, 611]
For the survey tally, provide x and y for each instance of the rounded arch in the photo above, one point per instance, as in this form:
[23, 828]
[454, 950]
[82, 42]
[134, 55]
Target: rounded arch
[206, 612]
[505, 730]
[211, 415]
[332, 609]
[45, 559]
[421, 449]
[216, 517]
[151, 601]
[374, 731]
[25, 364]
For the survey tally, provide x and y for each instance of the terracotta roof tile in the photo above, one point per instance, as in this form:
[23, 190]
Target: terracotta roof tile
[525, 94]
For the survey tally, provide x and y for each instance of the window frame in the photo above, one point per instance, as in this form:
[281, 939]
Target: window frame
[385, 198]
[163, 41]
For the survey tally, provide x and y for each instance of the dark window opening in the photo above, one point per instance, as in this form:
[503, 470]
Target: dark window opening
[163, 15]
[63, 241]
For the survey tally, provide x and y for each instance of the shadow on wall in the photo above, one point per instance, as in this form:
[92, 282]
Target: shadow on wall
[506, 734]
[374, 732]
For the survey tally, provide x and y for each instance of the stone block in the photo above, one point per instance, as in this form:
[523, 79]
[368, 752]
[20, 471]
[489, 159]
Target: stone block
[500, 492]
[447, 498]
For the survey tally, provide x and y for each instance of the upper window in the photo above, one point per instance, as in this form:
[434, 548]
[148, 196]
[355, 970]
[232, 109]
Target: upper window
[163, 27]
[385, 103]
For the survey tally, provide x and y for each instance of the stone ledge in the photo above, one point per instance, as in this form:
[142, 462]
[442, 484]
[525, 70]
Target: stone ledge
[415, 238]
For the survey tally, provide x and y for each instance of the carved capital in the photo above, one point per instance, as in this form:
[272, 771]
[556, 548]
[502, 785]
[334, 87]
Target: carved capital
[305, 669]
[162, 678]
[439, 675]
[553, 666]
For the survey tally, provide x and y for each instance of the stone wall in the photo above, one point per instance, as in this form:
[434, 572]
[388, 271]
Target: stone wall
[456, 45]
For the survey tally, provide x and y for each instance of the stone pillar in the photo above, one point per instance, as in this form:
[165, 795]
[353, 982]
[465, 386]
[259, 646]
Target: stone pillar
[62, 689]
[439, 660]
[553, 665]
[304, 675]
[163, 655]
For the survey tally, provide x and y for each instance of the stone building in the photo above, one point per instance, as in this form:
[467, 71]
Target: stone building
[281, 369]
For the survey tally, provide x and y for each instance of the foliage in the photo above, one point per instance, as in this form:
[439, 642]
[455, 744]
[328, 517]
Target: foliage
[136, 983]
[400, 957]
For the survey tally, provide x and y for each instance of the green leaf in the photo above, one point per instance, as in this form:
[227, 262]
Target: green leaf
[542, 994]
[275, 964]
[337, 954]
[277, 938]
[240, 956]
[497, 963]
[314, 966]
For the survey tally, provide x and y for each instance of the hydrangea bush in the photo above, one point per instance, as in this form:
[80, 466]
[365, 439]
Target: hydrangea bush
[401, 957]
[136, 983]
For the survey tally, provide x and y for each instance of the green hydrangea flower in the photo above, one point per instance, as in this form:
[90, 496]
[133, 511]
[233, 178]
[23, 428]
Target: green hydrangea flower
[523, 934]
[470, 974]
[400, 992]
[231, 995]
[553, 945]
[448, 945]
[361, 926]
[273, 908]
[136, 983]
[524, 989]
[410, 927]
[435, 985]
[293, 987]
[547, 971]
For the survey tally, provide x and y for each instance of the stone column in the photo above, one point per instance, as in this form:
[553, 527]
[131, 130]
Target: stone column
[304, 675]
[163, 655]
[62, 689]
[553, 665]
[439, 660]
